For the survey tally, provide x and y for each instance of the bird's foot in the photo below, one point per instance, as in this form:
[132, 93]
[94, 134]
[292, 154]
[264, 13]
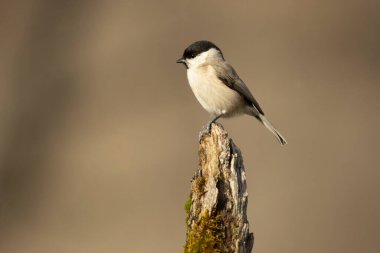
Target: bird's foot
[205, 130]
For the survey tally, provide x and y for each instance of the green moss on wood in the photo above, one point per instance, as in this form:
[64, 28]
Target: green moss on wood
[206, 236]
[187, 205]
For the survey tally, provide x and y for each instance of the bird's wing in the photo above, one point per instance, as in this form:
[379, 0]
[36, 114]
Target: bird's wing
[229, 77]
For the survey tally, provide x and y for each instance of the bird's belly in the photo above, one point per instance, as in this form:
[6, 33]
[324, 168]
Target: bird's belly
[214, 96]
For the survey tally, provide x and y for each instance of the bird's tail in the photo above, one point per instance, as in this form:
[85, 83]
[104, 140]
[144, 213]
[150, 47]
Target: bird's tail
[271, 128]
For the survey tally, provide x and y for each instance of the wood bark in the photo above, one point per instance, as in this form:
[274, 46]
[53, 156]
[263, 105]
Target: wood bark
[217, 208]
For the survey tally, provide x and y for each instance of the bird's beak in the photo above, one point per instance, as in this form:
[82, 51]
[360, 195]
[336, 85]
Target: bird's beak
[181, 60]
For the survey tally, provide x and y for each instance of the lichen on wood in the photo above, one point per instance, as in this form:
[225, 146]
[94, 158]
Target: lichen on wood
[217, 208]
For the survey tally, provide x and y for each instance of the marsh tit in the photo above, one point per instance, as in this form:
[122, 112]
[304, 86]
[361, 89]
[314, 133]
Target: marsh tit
[218, 87]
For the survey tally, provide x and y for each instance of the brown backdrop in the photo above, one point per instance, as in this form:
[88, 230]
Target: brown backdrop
[98, 125]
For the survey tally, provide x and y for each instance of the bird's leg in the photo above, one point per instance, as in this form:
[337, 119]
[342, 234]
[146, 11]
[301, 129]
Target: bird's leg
[213, 118]
[207, 128]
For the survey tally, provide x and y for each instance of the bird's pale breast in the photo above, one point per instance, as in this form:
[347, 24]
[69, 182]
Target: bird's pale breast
[212, 93]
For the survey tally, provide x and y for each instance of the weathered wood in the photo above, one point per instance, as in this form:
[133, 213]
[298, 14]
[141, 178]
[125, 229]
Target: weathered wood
[217, 208]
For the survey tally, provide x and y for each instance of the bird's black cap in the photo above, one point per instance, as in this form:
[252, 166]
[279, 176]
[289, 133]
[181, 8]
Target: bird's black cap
[197, 48]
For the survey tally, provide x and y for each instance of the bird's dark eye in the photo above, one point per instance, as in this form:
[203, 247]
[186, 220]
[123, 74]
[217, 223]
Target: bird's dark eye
[189, 54]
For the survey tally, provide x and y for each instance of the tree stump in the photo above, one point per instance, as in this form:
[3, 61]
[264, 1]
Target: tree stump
[217, 208]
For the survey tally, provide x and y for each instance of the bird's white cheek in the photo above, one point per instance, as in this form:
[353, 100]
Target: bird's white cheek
[198, 60]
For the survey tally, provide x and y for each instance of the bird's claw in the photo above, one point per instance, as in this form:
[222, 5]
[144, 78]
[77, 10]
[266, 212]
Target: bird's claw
[208, 128]
[200, 134]
[205, 130]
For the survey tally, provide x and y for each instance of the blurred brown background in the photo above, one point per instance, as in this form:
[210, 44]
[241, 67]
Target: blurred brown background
[98, 125]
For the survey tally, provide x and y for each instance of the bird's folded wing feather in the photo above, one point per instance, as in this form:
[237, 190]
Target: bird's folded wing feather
[229, 77]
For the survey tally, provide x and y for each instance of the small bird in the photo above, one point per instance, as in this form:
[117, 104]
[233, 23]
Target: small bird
[218, 87]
